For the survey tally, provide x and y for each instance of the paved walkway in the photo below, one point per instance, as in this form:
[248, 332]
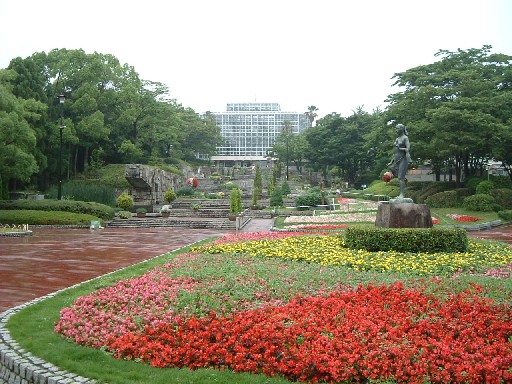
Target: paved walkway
[54, 259]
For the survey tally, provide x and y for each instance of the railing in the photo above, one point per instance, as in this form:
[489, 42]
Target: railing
[15, 227]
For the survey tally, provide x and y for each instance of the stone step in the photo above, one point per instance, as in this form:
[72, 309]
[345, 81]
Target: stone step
[156, 223]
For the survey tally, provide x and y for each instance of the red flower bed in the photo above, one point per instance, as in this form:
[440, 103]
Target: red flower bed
[464, 218]
[378, 333]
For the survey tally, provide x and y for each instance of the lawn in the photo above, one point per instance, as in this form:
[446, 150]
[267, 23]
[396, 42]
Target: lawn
[279, 307]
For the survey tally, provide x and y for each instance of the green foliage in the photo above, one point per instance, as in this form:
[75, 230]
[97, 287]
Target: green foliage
[431, 240]
[423, 190]
[124, 214]
[503, 197]
[485, 187]
[380, 187]
[480, 202]
[33, 217]
[110, 174]
[285, 188]
[124, 201]
[276, 199]
[235, 201]
[89, 208]
[170, 196]
[258, 183]
[185, 192]
[501, 181]
[472, 182]
[446, 199]
[505, 215]
[86, 190]
[141, 210]
[311, 197]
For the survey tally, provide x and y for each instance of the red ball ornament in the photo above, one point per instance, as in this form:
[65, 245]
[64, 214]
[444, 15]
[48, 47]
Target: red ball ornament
[387, 177]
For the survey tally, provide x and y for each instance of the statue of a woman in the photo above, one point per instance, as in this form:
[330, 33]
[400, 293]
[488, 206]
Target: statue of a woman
[401, 157]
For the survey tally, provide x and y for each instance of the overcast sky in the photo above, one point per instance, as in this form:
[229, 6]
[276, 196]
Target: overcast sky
[334, 54]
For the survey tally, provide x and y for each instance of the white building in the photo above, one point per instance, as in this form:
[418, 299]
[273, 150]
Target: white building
[250, 129]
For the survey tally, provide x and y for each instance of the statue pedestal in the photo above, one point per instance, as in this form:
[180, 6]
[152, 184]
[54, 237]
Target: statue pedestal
[403, 213]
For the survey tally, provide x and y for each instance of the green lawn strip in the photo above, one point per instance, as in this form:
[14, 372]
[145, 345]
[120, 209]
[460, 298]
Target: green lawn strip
[442, 215]
[34, 217]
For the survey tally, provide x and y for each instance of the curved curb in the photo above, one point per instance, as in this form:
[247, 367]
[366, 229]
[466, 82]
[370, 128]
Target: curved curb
[18, 366]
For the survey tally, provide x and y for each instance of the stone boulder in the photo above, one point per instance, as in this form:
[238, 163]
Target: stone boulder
[403, 215]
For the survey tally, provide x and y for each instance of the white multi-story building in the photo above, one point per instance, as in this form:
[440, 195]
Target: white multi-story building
[250, 129]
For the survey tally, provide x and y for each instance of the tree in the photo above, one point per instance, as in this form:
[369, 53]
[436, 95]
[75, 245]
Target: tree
[17, 138]
[311, 114]
[458, 110]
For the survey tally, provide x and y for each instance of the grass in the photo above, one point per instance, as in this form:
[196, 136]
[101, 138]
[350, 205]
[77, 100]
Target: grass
[36, 217]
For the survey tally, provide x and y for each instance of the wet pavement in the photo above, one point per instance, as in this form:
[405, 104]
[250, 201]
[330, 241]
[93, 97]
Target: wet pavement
[53, 259]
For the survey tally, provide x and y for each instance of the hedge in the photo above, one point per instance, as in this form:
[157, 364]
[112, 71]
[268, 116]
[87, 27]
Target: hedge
[431, 240]
[85, 207]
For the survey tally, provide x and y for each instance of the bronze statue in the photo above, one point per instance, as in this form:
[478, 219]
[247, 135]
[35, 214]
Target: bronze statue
[401, 157]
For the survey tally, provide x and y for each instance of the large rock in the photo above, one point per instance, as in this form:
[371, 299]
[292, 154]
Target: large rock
[403, 215]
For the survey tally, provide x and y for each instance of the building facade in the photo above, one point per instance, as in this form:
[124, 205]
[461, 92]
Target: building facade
[250, 129]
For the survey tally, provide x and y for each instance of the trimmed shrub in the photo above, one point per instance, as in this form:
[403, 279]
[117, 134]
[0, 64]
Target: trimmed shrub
[185, 191]
[505, 215]
[285, 188]
[481, 202]
[484, 187]
[446, 199]
[124, 201]
[431, 240]
[169, 195]
[235, 201]
[89, 208]
[311, 198]
[276, 200]
[501, 181]
[430, 188]
[503, 197]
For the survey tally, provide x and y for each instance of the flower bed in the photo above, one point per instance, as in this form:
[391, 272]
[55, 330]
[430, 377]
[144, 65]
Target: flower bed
[240, 304]
[463, 218]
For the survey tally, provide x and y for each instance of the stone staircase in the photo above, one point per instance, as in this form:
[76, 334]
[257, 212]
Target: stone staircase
[187, 222]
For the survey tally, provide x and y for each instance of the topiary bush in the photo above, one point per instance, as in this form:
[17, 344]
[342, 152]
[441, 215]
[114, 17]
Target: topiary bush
[276, 200]
[505, 215]
[89, 208]
[481, 202]
[185, 192]
[430, 240]
[311, 198]
[446, 199]
[503, 197]
[124, 201]
[484, 187]
[170, 196]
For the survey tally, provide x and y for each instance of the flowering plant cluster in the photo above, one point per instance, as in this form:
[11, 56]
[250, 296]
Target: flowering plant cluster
[276, 303]
[330, 250]
[372, 333]
[463, 218]
[329, 218]
[192, 182]
[318, 226]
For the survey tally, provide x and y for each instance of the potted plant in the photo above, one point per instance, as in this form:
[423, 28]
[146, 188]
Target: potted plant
[170, 196]
[165, 211]
[141, 212]
[235, 203]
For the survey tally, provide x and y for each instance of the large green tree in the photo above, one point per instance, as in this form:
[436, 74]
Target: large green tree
[458, 110]
[17, 137]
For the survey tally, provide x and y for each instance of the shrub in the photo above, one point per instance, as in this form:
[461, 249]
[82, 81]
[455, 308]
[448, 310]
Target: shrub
[505, 215]
[431, 240]
[503, 197]
[311, 197]
[124, 214]
[169, 195]
[235, 201]
[276, 200]
[89, 208]
[429, 188]
[484, 187]
[124, 201]
[446, 199]
[285, 188]
[480, 202]
[141, 210]
[185, 192]
[501, 181]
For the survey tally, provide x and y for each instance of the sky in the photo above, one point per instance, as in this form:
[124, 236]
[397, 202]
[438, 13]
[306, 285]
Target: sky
[337, 55]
